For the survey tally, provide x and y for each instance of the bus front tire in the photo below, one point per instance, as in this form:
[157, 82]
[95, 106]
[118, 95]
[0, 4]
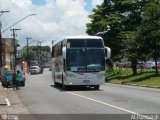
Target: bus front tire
[96, 87]
[55, 84]
[54, 79]
[64, 87]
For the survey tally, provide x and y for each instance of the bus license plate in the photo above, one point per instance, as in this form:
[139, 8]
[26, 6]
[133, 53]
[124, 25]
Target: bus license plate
[86, 81]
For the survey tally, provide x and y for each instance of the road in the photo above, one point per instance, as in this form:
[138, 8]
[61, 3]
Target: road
[40, 97]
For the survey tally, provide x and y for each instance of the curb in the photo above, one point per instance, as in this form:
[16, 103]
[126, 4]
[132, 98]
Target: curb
[147, 86]
[3, 103]
[2, 96]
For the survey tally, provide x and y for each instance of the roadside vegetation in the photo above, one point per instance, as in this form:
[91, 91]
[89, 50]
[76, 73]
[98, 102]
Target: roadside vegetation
[36, 52]
[131, 28]
[144, 77]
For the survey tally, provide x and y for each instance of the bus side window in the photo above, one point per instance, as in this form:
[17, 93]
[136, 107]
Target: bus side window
[56, 51]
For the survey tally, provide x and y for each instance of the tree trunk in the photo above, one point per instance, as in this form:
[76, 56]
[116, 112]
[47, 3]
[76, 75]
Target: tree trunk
[155, 59]
[155, 56]
[134, 67]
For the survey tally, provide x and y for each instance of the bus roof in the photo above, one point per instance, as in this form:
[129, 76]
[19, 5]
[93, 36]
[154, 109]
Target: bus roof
[83, 37]
[78, 37]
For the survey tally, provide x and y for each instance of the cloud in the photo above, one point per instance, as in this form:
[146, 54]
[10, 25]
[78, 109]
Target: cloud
[97, 2]
[54, 19]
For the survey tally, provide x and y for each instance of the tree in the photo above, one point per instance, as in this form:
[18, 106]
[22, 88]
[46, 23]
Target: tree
[134, 48]
[150, 29]
[104, 18]
[34, 52]
[125, 37]
[31, 55]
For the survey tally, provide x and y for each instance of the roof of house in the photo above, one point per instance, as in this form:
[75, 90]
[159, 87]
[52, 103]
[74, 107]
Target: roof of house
[9, 41]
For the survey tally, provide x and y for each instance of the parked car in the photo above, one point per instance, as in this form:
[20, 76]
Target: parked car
[7, 78]
[35, 70]
[23, 80]
[158, 66]
[149, 65]
[140, 65]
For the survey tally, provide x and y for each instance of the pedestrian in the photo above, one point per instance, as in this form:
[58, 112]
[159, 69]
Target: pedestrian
[18, 78]
[14, 79]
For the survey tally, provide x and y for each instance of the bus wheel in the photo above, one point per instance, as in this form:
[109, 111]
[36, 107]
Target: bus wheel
[64, 87]
[96, 87]
[55, 83]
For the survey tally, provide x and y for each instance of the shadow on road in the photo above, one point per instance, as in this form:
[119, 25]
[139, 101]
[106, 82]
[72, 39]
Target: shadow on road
[75, 88]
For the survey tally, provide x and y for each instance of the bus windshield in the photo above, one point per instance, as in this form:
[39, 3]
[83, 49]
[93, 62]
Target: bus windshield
[85, 59]
[95, 59]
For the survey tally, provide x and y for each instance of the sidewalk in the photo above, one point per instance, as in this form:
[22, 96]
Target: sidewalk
[3, 102]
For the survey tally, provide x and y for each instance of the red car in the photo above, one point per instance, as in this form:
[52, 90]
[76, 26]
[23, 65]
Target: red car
[158, 66]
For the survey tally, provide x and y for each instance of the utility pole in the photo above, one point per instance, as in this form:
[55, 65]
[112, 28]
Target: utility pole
[41, 53]
[28, 62]
[15, 45]
[40, 42]
[52, 43]
[1, 61]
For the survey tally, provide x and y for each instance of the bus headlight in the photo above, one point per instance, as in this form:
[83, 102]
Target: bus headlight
[100, 76]
[70, 75]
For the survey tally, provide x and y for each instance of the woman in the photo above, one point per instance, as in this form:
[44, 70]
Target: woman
[18, 78]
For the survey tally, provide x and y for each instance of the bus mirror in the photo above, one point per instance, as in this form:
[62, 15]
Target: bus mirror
[64, 52]
[107, 53]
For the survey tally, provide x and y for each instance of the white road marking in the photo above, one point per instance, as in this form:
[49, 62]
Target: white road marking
[128, 111]
[8, 103]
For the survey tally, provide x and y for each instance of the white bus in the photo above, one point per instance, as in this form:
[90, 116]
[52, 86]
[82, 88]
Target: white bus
[79, 61]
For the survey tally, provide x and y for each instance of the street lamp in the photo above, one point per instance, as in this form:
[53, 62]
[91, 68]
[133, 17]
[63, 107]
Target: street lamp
[105, 31]
[101, 33]
[2, 11]
[7, 29]
[18, 22]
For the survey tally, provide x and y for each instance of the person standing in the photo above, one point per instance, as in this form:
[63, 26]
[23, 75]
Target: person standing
[14, 79]
[18, 78]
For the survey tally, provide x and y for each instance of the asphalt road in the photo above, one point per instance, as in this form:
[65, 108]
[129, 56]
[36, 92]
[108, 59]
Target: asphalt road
[40, 97]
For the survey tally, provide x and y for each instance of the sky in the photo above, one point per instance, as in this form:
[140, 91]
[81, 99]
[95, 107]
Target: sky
[54, 19]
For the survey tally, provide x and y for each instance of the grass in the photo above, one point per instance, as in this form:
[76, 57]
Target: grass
[124, 76]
